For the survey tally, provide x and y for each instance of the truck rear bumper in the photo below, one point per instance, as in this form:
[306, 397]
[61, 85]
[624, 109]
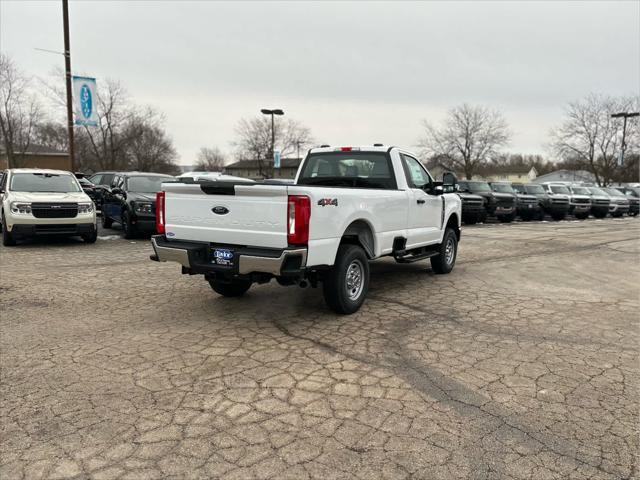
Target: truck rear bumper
[195, 257]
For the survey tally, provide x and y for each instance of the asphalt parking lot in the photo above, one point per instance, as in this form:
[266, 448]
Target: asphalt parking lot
[522, 363]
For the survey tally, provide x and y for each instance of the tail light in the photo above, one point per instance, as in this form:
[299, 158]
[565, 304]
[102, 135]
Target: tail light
[160, 212]
[299, 212]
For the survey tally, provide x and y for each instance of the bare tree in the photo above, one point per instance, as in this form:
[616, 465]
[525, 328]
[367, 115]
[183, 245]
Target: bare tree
[469, 137]
[253, 139]
[20, 111]
[210, 159]
[591, 137]
[109, 139]
[148, 148]
[52, 135]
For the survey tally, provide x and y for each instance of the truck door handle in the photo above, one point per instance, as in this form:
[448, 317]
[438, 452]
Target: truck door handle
[420, 202]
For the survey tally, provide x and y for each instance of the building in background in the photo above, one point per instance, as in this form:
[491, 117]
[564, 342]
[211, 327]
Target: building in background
[38, 156]
[507, 173]
[574, 176]
[257, 170]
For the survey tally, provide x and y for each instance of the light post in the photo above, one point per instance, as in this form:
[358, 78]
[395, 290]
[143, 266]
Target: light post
[624, 115]
[272, 112]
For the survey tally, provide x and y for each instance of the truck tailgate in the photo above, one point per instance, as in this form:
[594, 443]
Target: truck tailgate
[238, 214]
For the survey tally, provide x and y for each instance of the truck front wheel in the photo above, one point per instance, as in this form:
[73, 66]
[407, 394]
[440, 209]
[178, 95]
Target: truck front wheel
[235, 288]
[345, 286]
[446, 259]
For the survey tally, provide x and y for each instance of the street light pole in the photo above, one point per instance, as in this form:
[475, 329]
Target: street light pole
[67, 67]
[272, 112]
[624, 115]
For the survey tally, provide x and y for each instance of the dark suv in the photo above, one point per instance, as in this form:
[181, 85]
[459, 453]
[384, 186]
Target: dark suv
[600, 202]
[559, 200]
[500, 205]
[131, 202]
[472, 208]
[527, 205]
[620, 204]
[633, 194]
[101, 182]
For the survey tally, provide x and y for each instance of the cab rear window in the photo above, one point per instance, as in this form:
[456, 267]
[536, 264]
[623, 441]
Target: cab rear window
[349, 169]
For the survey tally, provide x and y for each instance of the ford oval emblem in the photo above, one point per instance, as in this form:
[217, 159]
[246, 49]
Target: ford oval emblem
[220, 210]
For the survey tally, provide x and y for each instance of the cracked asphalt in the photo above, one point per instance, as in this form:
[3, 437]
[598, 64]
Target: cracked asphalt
[522, 363]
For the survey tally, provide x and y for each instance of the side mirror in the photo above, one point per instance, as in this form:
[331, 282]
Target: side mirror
[449, 179]
[449, 183]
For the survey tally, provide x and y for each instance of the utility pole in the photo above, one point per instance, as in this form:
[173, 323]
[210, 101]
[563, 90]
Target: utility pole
[624, 115]
[67, 67]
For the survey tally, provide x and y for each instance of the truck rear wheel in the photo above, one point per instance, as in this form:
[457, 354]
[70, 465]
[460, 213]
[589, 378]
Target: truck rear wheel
[446, 259]
[235, 288]
[345, 286]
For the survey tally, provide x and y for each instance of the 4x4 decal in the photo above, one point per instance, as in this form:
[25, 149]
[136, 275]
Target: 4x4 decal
[323, 202]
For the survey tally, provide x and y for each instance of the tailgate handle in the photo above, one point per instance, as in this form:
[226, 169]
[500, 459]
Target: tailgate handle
[420, 202]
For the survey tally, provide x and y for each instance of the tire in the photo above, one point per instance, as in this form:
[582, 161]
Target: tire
[346, 285]
[446, 259]
[582, 216]
[483, 218]
[599, 215]
[235, 288]
[127, 227]
[7, 236]
[105, 221]
[90, 237]
[470, 220]
[558, 216]
[505, 218]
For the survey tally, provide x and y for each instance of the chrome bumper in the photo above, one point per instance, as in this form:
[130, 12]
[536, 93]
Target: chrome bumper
[246, 263]
[250, 263]
[166, 254]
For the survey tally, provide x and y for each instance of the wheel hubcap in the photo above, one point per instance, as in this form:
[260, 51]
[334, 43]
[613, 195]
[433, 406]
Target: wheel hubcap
[354, 280]
[449, 251]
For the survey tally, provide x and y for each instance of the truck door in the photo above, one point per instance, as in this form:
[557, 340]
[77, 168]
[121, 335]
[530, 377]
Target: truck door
[425, 209]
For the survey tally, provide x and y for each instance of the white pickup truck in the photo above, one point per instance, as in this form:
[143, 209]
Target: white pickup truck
[347, 206]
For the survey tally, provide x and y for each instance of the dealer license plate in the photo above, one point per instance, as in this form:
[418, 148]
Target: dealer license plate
[223, 256]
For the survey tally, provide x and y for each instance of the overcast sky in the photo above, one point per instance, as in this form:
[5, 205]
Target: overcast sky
[355, 73]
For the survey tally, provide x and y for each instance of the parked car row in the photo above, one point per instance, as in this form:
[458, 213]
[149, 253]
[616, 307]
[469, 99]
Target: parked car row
[506, 201]
[39, 202]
